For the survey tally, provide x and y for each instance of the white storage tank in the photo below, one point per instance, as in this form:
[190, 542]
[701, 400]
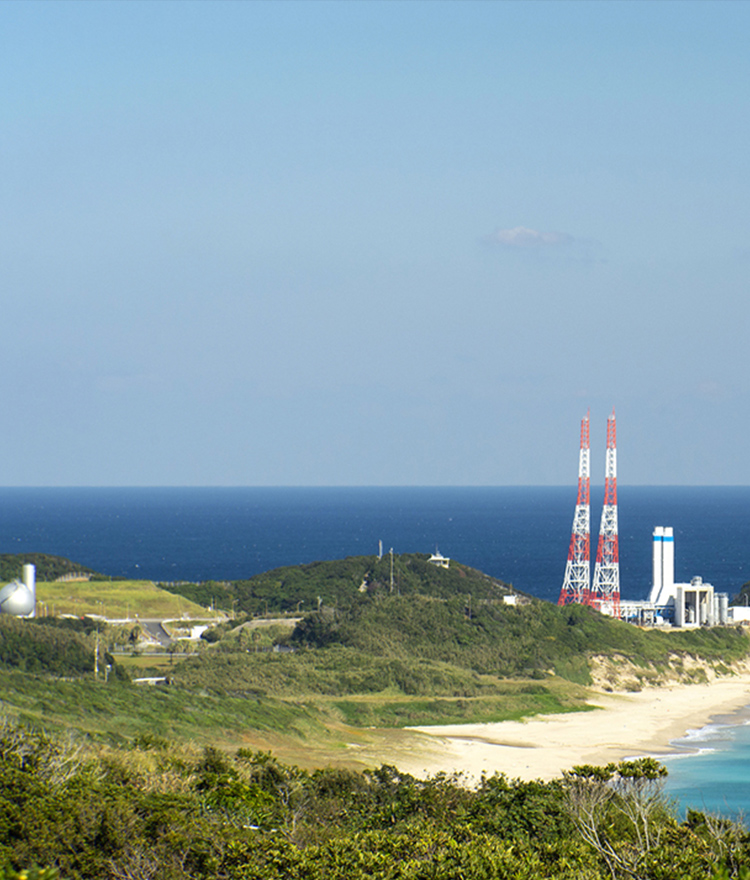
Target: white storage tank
[723, 609]
[19, 597]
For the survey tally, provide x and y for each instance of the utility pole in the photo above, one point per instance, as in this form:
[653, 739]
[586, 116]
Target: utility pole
[96, 654]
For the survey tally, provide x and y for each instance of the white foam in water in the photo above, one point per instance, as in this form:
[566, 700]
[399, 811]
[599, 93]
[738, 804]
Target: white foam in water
[708, 732]
[693, 753]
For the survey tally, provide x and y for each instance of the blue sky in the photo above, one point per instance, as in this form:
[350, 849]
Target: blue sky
[386, 243]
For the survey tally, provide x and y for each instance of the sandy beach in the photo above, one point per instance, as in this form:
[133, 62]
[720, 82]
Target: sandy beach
[622, 726]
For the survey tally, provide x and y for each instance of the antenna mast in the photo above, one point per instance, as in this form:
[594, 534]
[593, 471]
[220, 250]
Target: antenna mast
[577, 580]
[606, 588]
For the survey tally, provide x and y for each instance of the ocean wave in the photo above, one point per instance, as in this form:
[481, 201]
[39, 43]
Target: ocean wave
[692, 753]
[708, 732]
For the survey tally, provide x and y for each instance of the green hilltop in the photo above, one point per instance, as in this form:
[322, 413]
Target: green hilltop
[48, 567]
[443, 643]
[338, 582]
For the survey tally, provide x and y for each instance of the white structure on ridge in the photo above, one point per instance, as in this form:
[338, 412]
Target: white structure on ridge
[437, 558]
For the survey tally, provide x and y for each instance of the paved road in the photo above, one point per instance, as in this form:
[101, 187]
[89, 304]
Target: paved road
[156, 631]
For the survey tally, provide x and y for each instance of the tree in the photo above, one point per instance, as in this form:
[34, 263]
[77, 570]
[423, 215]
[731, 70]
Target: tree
[621, 811]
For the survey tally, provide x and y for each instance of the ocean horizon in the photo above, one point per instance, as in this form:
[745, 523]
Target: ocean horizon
[517, 534]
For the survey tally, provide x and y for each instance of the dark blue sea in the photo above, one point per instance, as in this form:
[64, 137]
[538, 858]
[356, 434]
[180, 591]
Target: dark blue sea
[520, 535]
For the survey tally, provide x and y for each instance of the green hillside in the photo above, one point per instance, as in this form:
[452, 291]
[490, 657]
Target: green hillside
[447, 648]
[428, 646]
[53, 647]
[96, 594]
[338, 582]
[48, 568]
[528, 640]
[439, 645]
[116, 599]
[31, 647]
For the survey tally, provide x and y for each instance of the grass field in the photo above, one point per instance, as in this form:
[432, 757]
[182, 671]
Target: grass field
[116, 600]
[310, 731]
[519, 701]
[143, 664]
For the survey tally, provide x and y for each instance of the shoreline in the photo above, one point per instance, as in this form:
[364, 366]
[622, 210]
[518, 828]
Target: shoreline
[622, 725]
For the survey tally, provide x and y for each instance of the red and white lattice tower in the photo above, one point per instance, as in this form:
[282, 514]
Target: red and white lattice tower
[605, 593]
[575, 587]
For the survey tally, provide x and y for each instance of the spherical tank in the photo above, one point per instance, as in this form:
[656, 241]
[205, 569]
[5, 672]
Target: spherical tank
[17, 599]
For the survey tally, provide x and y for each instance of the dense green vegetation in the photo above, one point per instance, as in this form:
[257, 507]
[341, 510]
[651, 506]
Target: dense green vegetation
[59, 647]
[48, 568]
[335, 583]
[743, 597]
[112, 713]
[426, 646]
[153, 810]
[493, 638]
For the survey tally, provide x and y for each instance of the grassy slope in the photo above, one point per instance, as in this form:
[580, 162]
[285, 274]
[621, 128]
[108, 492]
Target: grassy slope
[423, 646]
[100, 596]
[118, 712]
[116, 600]
[396, 661]
[314, 731]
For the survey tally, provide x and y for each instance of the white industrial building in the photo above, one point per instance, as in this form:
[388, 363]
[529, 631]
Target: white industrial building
[680, 604]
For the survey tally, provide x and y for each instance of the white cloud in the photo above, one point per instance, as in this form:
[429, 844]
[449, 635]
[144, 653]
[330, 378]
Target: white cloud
[521, 237]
